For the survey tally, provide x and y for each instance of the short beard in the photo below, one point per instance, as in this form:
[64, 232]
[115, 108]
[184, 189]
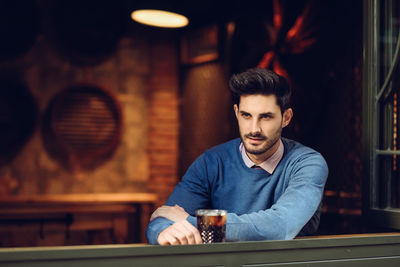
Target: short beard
[270, 142]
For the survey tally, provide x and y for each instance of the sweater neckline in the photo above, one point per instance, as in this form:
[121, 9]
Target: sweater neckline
[241, 161]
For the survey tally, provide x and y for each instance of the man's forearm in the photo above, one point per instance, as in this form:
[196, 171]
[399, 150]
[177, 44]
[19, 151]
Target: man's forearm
[155, 227]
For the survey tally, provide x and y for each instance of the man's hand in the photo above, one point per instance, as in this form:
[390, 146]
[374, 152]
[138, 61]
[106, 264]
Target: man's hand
[180, 233]
[173, 213]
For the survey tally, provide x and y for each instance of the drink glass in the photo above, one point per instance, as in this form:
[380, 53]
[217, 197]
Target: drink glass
[211, 225]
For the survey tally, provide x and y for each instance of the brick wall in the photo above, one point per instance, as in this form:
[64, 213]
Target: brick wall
[163, 119]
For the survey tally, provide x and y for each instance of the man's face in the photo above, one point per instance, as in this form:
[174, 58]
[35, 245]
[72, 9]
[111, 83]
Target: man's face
[260, 124]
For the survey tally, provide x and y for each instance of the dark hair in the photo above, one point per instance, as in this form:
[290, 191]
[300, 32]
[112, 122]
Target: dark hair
[260, 81]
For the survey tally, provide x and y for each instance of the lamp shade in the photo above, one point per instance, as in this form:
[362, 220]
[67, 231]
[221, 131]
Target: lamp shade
[159, 18]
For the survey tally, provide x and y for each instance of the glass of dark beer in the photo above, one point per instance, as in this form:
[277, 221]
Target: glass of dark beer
[211, 225]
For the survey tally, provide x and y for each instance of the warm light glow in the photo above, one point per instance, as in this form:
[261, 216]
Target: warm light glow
[159, 18]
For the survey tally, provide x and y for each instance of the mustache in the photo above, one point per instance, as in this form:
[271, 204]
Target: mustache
[255, 135]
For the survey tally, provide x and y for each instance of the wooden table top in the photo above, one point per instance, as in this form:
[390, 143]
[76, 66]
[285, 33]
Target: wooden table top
[109, 198]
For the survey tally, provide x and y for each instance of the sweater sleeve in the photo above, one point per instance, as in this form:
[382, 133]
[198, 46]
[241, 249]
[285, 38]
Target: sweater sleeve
[191, 194]
[155, 227]
[291, 212]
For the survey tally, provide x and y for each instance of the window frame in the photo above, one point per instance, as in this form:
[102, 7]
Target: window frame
[373, 88]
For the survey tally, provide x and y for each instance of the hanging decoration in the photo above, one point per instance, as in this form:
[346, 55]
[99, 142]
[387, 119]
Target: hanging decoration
[298, 39]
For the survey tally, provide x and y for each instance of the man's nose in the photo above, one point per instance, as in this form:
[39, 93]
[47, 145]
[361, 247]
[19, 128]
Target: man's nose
[255, 126]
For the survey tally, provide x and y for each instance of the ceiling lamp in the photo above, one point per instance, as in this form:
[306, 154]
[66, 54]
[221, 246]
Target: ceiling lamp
[159, 18]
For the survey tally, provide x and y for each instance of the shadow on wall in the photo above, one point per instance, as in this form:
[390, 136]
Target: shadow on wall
[18, 116]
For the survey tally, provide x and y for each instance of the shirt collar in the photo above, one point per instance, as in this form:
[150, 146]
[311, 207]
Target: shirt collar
[269, 164]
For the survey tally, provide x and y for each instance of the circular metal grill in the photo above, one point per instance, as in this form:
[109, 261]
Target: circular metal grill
[84, 126]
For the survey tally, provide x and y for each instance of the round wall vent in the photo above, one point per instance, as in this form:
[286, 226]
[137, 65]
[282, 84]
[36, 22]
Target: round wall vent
[82, 126]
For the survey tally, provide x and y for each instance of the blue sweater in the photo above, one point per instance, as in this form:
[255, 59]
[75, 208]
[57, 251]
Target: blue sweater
[261, 206]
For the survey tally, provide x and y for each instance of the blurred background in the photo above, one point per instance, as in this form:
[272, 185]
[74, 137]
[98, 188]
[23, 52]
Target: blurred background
[97, 108]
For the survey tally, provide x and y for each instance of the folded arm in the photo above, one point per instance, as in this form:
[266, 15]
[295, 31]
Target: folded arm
[190, 194]
[180, 231]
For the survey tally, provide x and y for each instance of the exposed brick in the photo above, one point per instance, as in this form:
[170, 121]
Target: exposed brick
[163, 120]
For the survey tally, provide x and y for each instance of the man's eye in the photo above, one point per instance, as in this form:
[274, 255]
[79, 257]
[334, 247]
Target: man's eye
[246, 116]
[266, 117]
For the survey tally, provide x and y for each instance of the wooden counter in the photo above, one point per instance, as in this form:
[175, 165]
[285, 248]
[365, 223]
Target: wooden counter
[125, 214]
[365, 250]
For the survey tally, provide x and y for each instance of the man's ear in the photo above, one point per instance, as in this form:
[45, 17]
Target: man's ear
[236, 109]
[287, 117]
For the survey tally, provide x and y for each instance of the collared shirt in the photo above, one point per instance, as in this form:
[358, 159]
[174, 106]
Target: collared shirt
[269, 164]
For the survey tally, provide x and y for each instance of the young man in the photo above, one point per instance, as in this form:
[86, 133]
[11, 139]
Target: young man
[271, 186]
